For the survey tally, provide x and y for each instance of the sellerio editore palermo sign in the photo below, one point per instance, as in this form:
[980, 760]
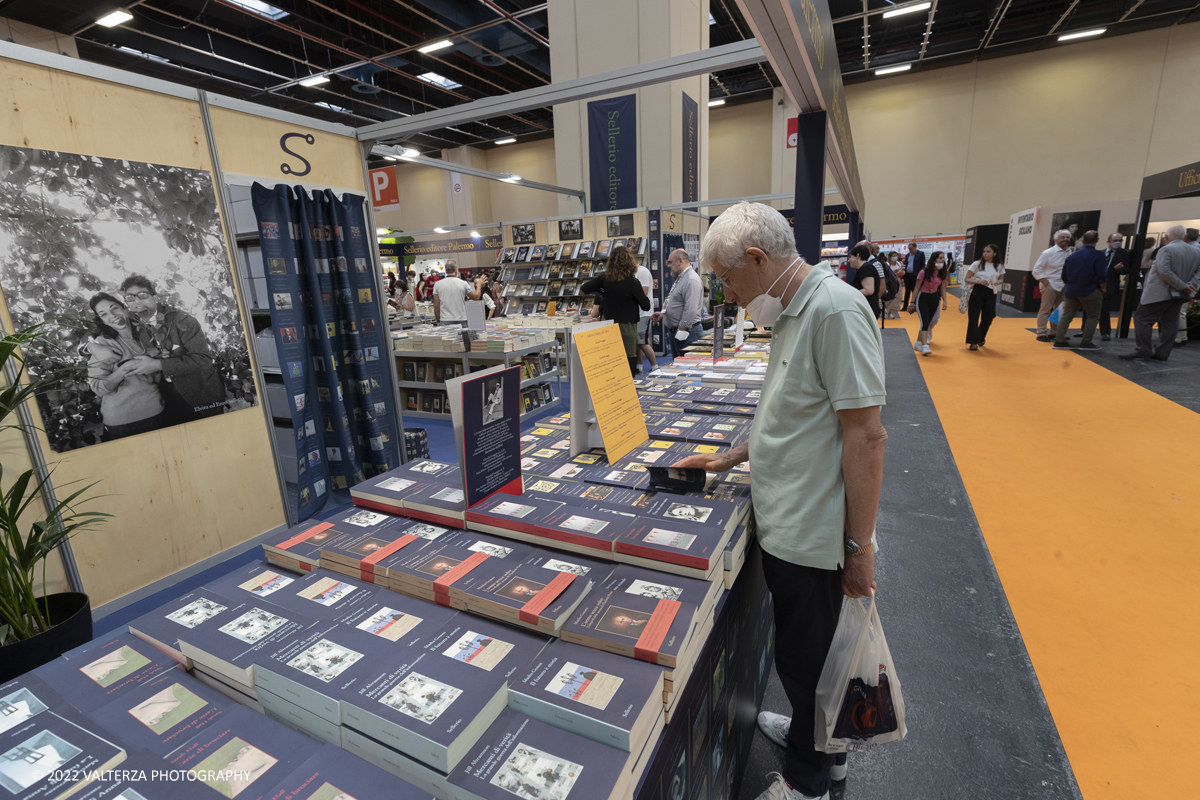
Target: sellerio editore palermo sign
[444, 247]
[612, 153]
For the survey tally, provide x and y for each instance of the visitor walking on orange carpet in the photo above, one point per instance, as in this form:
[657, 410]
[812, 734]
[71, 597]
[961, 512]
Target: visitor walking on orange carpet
[984, 277]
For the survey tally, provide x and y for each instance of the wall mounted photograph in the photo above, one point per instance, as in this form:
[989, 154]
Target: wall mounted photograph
[525, 233]
[570, 229]
[1077, 222]
[128, 260]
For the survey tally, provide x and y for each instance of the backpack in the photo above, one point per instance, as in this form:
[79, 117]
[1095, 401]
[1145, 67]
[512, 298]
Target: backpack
[890, 281]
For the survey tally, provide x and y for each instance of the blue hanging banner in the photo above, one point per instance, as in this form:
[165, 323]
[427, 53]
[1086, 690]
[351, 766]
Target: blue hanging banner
[331, 340]
[612, 153]
[691, 150]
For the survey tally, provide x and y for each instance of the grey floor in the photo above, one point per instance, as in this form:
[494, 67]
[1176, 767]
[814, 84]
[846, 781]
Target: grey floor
[978, 726]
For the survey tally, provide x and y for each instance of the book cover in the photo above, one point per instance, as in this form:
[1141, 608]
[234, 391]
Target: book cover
[567, 251]
[439, 504]
[245, 755]
[538, 253]
[658, 585]
[551, 252]
[487, 430]
[602, 248]
[429, 573]
[584, 250]
[613, 619]
[527, 758]
[50, 754]
[142, 776]
[299, 547]
[163, 626]
[23, 698]
[410, 371]
[509, 254]
[606, 697]
[522, 255]
[104, 669]
[367, 556]
[569, 271]
[319, 594]
[523, 273]
[164, 713]
[334, 774]
[398, 618]
[537, 273]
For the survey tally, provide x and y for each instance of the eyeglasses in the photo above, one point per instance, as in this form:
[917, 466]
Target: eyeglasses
[142, 295]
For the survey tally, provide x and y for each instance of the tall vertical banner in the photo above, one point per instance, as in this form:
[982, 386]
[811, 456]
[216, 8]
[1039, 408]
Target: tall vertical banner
[1017, 290]
[612, 153]
[331, 340]
[691, 150]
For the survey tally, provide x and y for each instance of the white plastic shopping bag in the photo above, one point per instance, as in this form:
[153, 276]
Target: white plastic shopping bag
[859, 705]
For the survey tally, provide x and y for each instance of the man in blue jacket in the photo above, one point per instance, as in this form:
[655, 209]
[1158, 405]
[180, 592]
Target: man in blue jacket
[1084, 274]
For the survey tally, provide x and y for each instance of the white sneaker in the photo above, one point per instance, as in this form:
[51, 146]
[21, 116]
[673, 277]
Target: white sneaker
[779, 790]
[774, 727]
[925, 351]
[918, 347]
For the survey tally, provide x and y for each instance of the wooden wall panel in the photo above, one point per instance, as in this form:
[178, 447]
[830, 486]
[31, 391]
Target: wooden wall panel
[183, 493]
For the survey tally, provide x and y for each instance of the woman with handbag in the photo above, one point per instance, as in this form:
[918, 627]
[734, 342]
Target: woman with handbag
[928, 293]
[984, 279]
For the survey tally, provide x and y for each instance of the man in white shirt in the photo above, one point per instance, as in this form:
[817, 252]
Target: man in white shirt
[1048, 271]
[450, 296]
[643, 329]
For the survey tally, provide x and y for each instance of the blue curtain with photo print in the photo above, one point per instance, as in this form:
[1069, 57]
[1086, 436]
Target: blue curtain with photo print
[325, 314]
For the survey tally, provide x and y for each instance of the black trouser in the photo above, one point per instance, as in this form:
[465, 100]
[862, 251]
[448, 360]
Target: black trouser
[927, 306]
[1112, 302]
[910, 283]
[981, 310]
[808, 603]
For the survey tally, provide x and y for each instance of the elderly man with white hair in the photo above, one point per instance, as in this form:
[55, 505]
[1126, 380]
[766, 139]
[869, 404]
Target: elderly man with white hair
[1173, 279]
[1048, 272]
[816, 456]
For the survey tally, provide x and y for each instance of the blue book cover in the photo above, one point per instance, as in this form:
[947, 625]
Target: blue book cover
[674, 545]
[606, 697]
[334, 774]
[525, 757]
[163, 626]
[487, 428]
[366, 557]
[429, 572]
[386, 492]
[245, 755]
[438, 503]
[24, 698]
[142, 776]
[400, 618]
[319, 594]
[48, 754]
[299, 547]
[164, 713]
[104, 669]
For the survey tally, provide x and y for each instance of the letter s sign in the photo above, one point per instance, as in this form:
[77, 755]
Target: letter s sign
[286, 168]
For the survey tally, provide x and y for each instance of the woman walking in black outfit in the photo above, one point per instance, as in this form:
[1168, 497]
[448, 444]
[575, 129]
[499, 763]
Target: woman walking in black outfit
[929, 291]
[984, 277]
[623, 297]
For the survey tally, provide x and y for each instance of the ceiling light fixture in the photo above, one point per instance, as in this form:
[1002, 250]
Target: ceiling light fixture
[1081, 34]
[382, 231]
[890, 70]
[315, 80]
[440, 230]
[391, 158]
[718, 102]
[895, 12]
[475, 235]
[509, 140]
[115, 18]
[510, 177]
[438, 80]
[435, 46]
[410, 152]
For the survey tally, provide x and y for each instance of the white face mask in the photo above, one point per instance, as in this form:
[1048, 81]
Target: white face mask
[765, 308]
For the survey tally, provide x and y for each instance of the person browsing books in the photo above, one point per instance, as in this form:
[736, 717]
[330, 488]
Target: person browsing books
[816, 454]
[623, 299]
[450, 296]
[684, 307]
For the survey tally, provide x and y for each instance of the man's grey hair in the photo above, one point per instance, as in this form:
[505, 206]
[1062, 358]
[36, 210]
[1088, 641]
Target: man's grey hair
[743, 226]
[1063, 232]
[1176, 232]
[451, 268]
[683, 256]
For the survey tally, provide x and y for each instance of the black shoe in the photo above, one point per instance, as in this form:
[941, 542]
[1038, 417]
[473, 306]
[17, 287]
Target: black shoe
[1104, 337]
[1160, 358]
[1088, 346]
[1044, 338]
[1063, 345]
[1133, 357]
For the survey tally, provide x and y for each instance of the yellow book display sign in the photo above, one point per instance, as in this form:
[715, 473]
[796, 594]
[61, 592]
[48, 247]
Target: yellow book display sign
[601, 354]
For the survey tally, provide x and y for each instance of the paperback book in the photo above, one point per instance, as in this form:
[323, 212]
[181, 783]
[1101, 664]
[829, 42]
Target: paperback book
[334, 774]
[54, 753]
[142, 776]
[164, 713]
[163, 626]
[690, 549]
[430, 573]
[320, 594]
[104, 669]
[366, 557]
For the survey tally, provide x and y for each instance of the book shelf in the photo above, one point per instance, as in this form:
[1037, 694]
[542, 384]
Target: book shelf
[454, 364]
[536, 282]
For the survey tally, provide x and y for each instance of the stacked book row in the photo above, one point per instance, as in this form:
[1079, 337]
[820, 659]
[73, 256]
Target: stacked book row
[571, 250]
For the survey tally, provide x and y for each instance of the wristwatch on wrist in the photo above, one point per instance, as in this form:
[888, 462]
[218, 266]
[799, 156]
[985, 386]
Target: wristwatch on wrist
[852, 547]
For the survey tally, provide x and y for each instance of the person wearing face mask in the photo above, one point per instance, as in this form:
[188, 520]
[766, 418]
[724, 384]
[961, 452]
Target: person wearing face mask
[816, 452]
[930, 292]
[685, 305]
[130, 402]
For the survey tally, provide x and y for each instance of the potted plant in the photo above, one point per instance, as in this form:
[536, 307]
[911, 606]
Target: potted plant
[35, 629]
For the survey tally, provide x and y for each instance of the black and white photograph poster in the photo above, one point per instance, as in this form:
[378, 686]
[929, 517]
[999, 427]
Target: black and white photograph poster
[493, 400]
[570, 229]
[1077, 222]
[485, 412]
[128, 263]
[525, 233]
[619, 225]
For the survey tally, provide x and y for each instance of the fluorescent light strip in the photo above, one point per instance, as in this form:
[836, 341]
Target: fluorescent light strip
[1081, 34]
[511, 178]
[890, 70]
[435, 46]
[509, 140]
[315, 80]
[896, 12]
[718, 102]
[410, 153]
[476, 235]
[115, 18]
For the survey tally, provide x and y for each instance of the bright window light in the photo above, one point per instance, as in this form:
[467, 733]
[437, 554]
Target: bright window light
[1081, 34]
[315, 80]
[117, 17]
[906, 10]
[833, 237]
[438, 80]
[718, 102]
[890, 70]
[260, 8]
[435, 46]
[509, 140]
[150, 56]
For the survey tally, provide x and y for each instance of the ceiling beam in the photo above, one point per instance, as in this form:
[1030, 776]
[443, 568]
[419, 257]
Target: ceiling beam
[385, 151]
[1132, 9]
[994, 24]
[1064, 16]
[715, 58]
[875, 11]
[928, 30]
[866, 37]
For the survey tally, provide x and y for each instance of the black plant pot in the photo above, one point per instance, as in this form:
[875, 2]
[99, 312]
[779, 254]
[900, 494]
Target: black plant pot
[71, 615]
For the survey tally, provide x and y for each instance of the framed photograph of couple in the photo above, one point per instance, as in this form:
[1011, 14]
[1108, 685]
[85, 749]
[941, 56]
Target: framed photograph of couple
[126, 264]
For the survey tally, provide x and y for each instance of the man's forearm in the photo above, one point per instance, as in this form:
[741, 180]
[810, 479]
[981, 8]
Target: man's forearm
[862, 471]
[739, 454]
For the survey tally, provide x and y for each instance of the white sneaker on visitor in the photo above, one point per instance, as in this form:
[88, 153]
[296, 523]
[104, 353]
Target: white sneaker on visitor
[779, 790]
[925, 351]
[774, 727]
[918, 347]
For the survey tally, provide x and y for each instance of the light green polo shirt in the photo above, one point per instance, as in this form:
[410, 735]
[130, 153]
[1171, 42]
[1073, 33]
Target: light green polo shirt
[826, 356]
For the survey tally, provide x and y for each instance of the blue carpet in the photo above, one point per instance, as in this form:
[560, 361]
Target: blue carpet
[441, 448]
